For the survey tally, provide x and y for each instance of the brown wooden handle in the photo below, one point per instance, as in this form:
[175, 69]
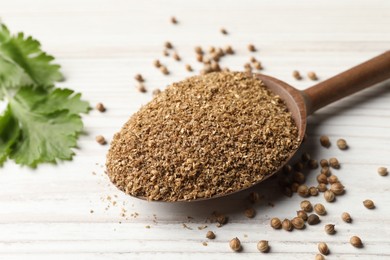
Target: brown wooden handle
[348, 82]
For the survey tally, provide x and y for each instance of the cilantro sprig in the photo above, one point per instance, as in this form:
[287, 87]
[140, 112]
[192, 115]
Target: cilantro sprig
[41, 123]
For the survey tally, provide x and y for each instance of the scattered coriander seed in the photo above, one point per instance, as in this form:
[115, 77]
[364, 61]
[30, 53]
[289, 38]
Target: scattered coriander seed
[156, 92]
[333, 179]
[139, 78]
[324, 140]
[286, 225]
[188, 67]
[164, 70]
[199, 57]
[329, 229]
[257, 65]
[312, 75]
[346, 217]
[229, 50]
[294, 187]
[250, 213]
[221, 219]
[254, 197]
[356, 241]
[173, 20]
[312, 164]
[305, 157]
[322, 178]
[287, 191]
[275, 223]
[319, 257]
[100, 139]
[210, 235]
[303, 191]
[299, 177]
[157, 63]
[299, 166]
[320, 209]
[322, 187]
[141, 88]
[334, 163]
[251, 48]
[296, 75]
[198, 50]
[324, 163]
[168, 45]
[287, 169]
[298, 223]
[306, 206]
[313, 219]
[325, 170]
[263, 246]
[337, 188]
[302, 214]
[253, 59]
[382, 171]
[166, 53]
[223, 31]
[323, 248]
[342, 144]
[329, 196]
[235, 244]
[100, 107]
[176, 56]
[313, 191]
[369, 204]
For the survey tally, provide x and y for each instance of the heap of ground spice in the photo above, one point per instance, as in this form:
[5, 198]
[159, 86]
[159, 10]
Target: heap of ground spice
[205, 136]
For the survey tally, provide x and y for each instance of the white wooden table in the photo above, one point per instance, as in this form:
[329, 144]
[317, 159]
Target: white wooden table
[101, 45]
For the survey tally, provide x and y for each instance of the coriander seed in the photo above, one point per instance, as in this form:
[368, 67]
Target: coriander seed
[139, 78]
[164, 70]
[306, 206]
[298, 223]
[382, 171]
[176, 56]
[188, 67]
[324, 140]
[334, 163]
[156, 92]
[329, 229]
[325, 170]
[173, 20]
[250, 213]
[294, 186]
[221, 219]
[263, 246]
[312, 75]
[100, 107]
[275, 223]
[369, 204]
[141, 88]
[100, 139]
[319, 257]
[302, 214]
[157, 63]
[299, 166]
[337, 188]
[299, 177]
[346, 217]
[166, 53]
[223, 31]
[210, 235]
[287, 169]
[296, 75]
[312, 164]
[322, 178]
[323, 248]
[329, 196]
[257, 65]
[286, 225]
[356, 241]
[313, 219]
[254, 197]
[168, 45]
[198, 50]
[342, 144]
[235, 244]
[320, 209]
[333, 179]
[303, 191]
[229, 50]
[322, 187]
[199, 57]
[313, 191]
[251, 48]
[305, 157]
[324, 163]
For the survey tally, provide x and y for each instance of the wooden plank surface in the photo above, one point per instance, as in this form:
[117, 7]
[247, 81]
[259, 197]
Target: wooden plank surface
[101, 45]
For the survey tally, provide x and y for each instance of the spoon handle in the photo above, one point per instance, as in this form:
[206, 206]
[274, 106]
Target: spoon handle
[348, 82]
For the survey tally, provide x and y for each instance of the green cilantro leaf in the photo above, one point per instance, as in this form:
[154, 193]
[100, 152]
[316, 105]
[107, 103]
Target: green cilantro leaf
[26, 53]
[9, 132]
[47, 132]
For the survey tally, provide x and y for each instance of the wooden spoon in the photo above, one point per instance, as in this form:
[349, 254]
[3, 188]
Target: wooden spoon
[304, 103]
